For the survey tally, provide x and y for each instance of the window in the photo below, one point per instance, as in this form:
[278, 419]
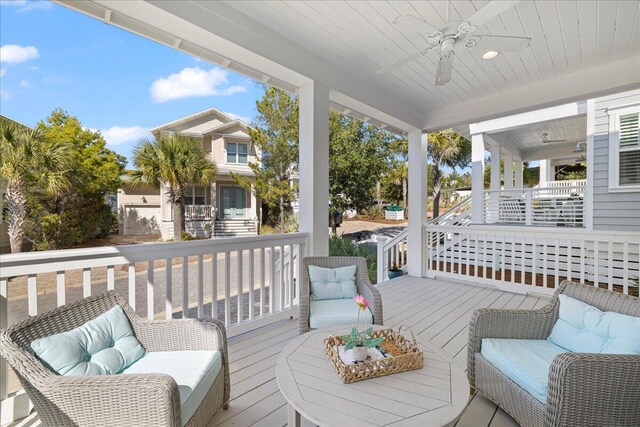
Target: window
[624, 149]
[194, 196]
[237, 152]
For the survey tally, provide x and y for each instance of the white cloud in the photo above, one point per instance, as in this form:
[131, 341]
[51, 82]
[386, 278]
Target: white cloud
[5, 95]
[26, 6]
[193, 82]
[13, 53]
[117, 135]
[25, 84]
[245, 119]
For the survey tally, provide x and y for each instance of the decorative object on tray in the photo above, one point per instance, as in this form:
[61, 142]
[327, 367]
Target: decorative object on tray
[394, 354]
[357, 344]
[395, 270]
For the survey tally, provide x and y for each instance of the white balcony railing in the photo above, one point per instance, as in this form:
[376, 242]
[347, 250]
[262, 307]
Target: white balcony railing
[550, 206]
[534, 260]
[246, 282]
[389, 251]
[199, 212]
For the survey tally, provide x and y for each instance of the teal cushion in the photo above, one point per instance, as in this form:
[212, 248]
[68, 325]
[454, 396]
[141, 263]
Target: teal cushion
[332, 283]
[525, 362]
[337, 312]
[193, 371]
[102, 346]
[583, 328]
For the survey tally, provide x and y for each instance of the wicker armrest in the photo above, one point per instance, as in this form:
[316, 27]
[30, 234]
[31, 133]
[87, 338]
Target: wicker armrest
[181, 334]
[133, 400]
[506, 323]
[587, 389]
[366, 289]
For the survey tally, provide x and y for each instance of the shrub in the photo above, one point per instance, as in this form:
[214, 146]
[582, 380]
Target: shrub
[186, 236]
[344, 246]
[374, 212]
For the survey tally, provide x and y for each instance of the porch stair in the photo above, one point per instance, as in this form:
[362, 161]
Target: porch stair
[460, 214]
[235, 227]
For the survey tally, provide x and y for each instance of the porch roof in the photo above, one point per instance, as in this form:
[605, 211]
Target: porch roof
[578, 50]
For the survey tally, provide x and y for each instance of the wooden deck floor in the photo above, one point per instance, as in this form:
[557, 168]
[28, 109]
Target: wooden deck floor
[438, 310]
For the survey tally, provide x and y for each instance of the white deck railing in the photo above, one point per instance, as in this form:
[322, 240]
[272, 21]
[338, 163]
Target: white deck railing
[246, 282]
[199, 212]
[541, 206]
[525, 260]
[390, 250]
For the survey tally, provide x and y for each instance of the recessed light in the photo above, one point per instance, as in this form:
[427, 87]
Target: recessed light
[490, 54]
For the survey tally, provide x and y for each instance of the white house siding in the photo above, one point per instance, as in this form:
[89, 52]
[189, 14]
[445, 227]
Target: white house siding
[611, 210]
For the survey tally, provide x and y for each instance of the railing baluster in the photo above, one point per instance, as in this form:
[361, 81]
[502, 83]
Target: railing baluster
[610, 269]
[596, 263]
[132, 286]
[32, 291]
[185, 287]
[556, 281]
[544, 263]
[484, 257]
[200, 290]
[262, 279]
[523, 261]
[168, 288]
[534, 261]
[111, 278]
[569, 259]
[291, 276]
[240, 290]
[227, 289]
[625, 268]
[582, 260]
[494, 260]
[151, 310]
[4, 322]
[214, 286]
[272, 281]
[513, 259]
[281, 285]
[61, 292]
[251, 283]
[86, 282]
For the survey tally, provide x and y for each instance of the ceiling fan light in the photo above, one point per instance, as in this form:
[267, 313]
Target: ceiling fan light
[490, 54]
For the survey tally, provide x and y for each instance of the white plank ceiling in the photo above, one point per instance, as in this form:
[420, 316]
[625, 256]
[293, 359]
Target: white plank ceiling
[567, 37]
[526, 138]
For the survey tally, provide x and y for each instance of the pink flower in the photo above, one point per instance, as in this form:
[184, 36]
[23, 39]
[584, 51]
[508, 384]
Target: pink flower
[361, 302]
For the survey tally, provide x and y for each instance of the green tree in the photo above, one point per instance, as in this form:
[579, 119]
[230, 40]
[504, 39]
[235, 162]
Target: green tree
[71, 217]
[446, 149]
[28, 161]
[275, 134]
[175, 162]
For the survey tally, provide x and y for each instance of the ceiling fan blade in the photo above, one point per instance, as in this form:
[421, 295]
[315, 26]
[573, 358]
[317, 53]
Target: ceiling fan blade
[547, 141]
[445, 65]
[502, 43]
[416, 24]
[401, 62]
[489, 11]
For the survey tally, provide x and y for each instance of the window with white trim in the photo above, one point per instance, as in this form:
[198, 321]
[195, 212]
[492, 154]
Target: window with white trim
[237, 152]
[194, 195]
[624, 150]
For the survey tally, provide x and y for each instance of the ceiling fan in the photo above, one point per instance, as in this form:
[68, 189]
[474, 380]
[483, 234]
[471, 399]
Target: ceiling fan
[546, 140]
[579, 148]
[444, 38]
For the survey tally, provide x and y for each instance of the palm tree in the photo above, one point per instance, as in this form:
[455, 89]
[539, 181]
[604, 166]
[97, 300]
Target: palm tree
[27, 160]
[398, 175]
[174, 161]
[446, 148]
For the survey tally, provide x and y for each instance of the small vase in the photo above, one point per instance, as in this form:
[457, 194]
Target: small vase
[358, 354]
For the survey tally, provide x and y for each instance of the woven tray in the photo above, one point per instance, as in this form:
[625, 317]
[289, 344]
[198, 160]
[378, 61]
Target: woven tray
[405, 353]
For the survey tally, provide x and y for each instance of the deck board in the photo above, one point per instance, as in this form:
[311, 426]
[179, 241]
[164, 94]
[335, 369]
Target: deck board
[438, 310]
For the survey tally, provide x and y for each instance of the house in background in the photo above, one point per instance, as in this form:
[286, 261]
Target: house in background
[222, 209]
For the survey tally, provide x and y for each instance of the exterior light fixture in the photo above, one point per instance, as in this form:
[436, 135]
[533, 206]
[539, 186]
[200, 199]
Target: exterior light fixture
[490, 54]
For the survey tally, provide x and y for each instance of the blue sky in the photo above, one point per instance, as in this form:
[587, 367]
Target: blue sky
[110, 79]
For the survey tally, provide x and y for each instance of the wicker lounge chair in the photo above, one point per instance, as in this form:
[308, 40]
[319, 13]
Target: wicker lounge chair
[98, 400]
[585, 389]
[363, 284]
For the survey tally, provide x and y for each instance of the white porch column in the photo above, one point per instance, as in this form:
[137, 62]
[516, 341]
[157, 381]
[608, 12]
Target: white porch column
[546, 171]
[418, 144]
[477, 178]
[314, 167]
[508, 170]
[518, 174]
[495, 184]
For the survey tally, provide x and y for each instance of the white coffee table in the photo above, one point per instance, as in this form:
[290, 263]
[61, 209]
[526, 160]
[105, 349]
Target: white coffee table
[432, 396]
